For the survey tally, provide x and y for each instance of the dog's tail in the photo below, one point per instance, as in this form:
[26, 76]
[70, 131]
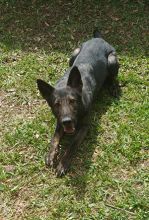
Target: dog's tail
[96, 34]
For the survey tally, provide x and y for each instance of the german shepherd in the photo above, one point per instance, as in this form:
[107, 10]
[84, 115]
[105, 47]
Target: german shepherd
[71, 99]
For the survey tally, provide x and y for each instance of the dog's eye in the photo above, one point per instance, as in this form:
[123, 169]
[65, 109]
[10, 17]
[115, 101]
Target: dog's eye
[57, 104]
[72, 101]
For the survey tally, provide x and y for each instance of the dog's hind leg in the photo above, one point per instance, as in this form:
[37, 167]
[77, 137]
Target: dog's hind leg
[113, 67]
[74, 55]
[52, 154]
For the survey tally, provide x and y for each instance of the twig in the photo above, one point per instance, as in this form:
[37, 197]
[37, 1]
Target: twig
[124, 210]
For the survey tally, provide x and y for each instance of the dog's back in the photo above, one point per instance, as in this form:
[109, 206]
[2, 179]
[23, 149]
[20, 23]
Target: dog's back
[92, 64]
[94, 52]
[91, 61]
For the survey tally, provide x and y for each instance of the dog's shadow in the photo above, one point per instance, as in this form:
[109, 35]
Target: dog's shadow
[83, 159]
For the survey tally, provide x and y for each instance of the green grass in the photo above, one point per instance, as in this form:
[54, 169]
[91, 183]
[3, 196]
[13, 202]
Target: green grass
[109, 174]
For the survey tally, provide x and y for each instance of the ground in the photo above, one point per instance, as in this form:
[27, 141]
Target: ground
[108, 178]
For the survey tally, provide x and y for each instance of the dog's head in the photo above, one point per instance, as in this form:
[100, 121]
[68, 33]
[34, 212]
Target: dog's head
[66, 103]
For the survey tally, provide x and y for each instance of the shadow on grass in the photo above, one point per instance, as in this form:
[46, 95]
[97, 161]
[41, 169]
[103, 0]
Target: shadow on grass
[82, 161]
[61, 25]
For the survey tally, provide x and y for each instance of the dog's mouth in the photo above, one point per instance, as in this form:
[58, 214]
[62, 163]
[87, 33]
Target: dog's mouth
[69, 129]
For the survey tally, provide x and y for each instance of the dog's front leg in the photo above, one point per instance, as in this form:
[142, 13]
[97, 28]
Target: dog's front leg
[52, 154]
[64, 163]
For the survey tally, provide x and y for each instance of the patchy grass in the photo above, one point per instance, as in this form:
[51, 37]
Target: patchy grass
[109, 175]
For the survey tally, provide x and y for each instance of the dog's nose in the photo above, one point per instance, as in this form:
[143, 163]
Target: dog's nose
[66, 121]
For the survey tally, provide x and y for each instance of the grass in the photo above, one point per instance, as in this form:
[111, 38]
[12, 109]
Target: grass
[109, 175]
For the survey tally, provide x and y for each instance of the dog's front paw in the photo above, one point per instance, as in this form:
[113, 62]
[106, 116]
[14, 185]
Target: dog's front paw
[62, 168]
[50, 160]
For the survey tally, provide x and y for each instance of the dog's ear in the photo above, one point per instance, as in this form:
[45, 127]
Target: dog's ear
[74, 79]
[45, 89]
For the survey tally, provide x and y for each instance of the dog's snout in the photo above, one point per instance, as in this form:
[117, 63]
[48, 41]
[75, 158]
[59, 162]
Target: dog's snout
[66, 120]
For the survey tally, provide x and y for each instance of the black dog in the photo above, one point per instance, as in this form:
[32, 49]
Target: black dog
[71, 99]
